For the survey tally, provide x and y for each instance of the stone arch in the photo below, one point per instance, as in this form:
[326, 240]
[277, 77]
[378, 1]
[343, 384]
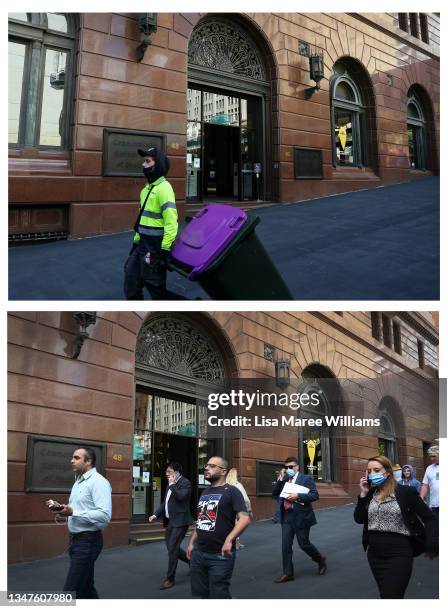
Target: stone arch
[254, 72]
[359, 73]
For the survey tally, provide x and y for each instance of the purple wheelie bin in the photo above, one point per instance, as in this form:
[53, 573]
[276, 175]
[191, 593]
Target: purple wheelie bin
[220, 250]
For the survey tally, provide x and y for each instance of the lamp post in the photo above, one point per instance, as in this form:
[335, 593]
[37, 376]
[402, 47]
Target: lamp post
[147, 23]
[84, 319]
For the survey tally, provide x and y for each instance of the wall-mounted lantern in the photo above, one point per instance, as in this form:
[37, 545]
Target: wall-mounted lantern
[316, 67]
[316, 64]
[147, 23]
[282, 372]
[84, 319]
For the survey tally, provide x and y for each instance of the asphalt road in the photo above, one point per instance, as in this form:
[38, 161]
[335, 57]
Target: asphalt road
[378, 244]
[130, 572]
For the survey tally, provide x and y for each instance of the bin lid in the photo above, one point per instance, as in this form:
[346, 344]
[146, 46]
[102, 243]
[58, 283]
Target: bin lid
[207, 235]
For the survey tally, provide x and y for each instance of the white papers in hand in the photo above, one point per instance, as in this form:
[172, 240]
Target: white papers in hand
[290, 488]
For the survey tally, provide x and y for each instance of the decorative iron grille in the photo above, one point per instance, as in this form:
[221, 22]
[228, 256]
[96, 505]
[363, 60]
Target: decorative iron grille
[222, 46]
[179, 346]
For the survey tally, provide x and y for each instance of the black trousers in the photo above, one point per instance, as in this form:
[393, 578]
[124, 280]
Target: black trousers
[390, 557]
[290, 529]
[173, 540]
[138, 275]
[83, 554]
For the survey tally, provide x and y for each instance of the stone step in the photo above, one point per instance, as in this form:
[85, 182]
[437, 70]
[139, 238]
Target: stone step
[136, 538]
[193, 208]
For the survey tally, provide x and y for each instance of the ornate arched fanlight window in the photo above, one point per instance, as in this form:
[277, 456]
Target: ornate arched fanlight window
[417, 154]
[41, 75]
[348, 118]
[221, 45]
[178, 345]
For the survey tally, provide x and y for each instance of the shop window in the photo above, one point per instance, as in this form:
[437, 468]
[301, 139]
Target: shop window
[348, 118]
[40, 74]
[417, 149]
[316, 444]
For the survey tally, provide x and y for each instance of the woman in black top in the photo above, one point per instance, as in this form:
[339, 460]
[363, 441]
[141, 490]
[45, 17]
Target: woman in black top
[397, 527]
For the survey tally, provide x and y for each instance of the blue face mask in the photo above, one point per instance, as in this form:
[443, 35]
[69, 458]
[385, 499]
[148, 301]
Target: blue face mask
[377, 479]
[290, 472]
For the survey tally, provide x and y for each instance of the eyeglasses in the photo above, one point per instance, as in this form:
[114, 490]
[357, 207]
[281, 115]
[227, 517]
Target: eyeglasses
[213, 465]
[290, 466]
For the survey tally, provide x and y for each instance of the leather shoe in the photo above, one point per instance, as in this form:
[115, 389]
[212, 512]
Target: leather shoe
[322, 567]
[166, 584]
[284, 578]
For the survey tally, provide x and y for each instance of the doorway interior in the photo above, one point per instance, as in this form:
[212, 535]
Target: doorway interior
[225, 146]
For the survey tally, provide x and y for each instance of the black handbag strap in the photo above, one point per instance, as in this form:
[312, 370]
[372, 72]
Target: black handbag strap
[137, 222]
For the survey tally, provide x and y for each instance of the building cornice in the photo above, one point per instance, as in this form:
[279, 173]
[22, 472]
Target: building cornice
[376, 346]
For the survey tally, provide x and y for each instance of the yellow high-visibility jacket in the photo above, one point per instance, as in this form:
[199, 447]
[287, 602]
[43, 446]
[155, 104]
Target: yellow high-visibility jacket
[159, 217]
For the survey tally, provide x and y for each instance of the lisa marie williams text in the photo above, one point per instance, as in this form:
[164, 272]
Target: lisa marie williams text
[291, 421]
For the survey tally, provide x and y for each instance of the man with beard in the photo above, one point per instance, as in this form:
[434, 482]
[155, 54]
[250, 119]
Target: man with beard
[155, 231]
[212, 548]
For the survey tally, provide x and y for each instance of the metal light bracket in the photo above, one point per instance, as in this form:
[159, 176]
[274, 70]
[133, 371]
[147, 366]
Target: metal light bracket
[84, 319]
[147, 23]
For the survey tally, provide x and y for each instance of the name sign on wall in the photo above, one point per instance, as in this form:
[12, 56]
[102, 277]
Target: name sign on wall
[48, 467]
[120, 151]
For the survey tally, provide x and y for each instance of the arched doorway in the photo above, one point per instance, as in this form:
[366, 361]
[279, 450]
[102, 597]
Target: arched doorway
[228, 110]
[177, 356]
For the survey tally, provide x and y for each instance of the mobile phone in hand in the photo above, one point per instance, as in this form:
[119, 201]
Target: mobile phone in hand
[54, 506]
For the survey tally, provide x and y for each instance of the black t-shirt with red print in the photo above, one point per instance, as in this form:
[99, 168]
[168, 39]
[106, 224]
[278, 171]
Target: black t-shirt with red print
[217, 510]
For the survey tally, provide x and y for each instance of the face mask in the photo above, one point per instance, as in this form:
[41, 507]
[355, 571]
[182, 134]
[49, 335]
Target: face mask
[377, 479]
[148, 172]
[290, 472]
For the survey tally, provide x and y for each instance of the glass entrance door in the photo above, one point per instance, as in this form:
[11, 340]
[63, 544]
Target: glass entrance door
[182, 449]
[225, 135]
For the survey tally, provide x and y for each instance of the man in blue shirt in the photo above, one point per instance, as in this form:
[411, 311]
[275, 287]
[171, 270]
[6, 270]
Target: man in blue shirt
[89, 511]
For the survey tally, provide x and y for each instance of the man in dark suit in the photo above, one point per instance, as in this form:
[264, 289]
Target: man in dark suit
[297, 517]
[175, 510]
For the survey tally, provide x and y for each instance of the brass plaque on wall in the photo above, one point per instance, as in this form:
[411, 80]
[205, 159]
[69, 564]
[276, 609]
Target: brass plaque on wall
[48, 467]
[307, 163]
[266, 476]
[120, 151]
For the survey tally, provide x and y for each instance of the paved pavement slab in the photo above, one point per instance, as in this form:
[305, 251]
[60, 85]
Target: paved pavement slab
[377, 244]
[130, 572]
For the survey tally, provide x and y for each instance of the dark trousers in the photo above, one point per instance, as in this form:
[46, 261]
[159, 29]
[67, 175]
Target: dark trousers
[173, 540]
[390, 557]
[290, 529]
[211, 574]
[83, 554]
[138, 275]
